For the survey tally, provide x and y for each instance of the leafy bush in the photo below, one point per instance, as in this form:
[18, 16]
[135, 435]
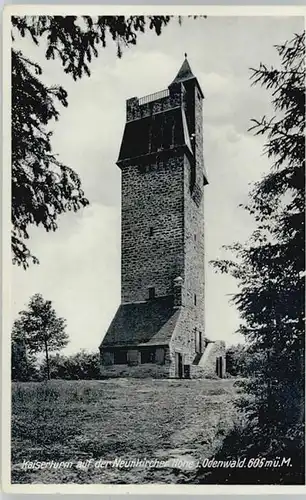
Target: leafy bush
[242, 360]
[81, 366]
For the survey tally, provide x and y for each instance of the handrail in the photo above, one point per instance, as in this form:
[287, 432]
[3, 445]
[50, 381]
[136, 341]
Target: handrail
[154, 97]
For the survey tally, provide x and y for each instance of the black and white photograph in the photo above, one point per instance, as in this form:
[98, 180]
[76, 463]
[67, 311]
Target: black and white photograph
[156, 203]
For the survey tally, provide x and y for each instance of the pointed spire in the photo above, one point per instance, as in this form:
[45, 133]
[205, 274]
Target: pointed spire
[184, 73]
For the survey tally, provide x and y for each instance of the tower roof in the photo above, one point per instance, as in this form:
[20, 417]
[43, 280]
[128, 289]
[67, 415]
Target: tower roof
[152, 323]
[184, 74]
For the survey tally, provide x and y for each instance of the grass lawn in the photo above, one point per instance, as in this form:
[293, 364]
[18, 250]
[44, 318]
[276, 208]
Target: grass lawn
[121, 418]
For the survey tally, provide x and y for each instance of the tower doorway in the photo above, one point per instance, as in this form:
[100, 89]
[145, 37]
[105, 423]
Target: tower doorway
[178, 365]
[219, 366]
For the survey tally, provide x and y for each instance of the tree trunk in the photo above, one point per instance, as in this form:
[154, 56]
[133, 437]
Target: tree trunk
[26, 360]
[47, 360]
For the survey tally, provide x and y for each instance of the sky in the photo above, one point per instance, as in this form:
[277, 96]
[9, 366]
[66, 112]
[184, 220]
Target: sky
[79, 268]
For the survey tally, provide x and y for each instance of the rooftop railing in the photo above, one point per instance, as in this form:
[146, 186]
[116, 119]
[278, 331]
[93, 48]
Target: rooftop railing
[154, 97]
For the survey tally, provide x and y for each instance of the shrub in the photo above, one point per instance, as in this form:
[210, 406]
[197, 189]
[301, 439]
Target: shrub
[81, 366]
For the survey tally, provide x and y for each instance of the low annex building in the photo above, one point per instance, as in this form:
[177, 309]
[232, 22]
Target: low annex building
[161, 318]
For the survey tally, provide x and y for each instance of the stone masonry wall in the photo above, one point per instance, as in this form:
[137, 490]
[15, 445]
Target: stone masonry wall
[199, 149]
[193, 309]
[194, 231]
[148, 370]
[159, 369]
[152, 197]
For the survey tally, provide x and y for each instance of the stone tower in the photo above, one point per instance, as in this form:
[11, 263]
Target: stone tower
[160, 322]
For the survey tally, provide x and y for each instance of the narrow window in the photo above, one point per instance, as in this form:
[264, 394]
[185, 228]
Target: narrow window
[151, 231]
[151, 293]
[195, 299]
[195, 237]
